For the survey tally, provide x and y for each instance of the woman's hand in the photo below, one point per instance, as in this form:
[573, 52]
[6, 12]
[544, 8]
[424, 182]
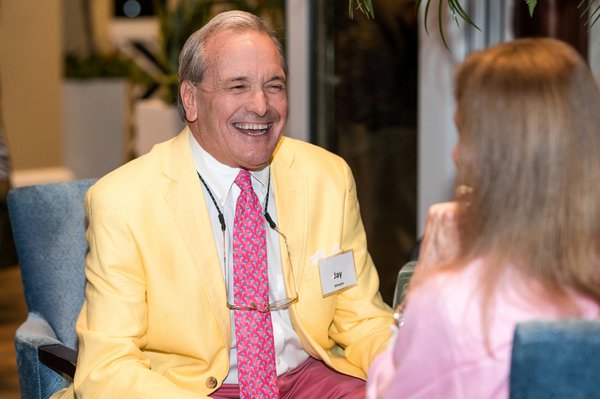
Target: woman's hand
[441, 241]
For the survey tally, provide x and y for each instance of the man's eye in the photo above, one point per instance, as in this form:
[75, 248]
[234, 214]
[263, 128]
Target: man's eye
[276, 88]
[237, 87]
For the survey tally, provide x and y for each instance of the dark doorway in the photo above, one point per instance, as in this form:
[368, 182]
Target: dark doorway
[365, 110]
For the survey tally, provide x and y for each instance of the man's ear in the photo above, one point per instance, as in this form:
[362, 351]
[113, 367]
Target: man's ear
[187, 91]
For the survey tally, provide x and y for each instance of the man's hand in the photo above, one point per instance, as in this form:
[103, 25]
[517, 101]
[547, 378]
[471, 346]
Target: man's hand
[441, 241]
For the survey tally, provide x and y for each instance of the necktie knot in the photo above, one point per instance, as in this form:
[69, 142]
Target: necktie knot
[243, 180]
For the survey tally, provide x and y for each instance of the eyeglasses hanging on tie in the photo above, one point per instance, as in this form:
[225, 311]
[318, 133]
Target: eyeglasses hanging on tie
[275, 304]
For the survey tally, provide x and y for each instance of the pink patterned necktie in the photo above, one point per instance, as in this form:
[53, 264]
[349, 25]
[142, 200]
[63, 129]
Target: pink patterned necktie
[253, 329]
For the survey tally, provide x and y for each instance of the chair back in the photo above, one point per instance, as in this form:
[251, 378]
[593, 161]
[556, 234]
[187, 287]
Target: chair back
[49, 224]
[556, 359]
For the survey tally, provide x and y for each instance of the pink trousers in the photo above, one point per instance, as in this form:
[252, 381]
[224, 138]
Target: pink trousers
[312, 379]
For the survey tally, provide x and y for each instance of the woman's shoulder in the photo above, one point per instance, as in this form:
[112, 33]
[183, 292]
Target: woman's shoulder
[448, 287]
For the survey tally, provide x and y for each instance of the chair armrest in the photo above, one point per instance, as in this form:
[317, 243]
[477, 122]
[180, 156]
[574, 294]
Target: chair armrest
[59, 358]
[36, 379]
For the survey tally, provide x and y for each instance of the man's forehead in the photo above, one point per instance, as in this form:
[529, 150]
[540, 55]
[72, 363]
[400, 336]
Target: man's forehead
[228, 39]
[225, 69]
[235, 56]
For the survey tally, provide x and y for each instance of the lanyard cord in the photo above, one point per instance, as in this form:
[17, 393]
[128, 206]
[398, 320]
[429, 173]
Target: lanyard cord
[221, 221]
[268, 218]
[272, 224]
[212, 197]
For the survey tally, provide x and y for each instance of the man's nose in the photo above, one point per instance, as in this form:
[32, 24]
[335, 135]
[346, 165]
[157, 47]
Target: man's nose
[258, 103]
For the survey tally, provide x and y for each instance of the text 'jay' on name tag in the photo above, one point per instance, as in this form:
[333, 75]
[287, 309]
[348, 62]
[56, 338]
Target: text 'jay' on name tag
[337, 272]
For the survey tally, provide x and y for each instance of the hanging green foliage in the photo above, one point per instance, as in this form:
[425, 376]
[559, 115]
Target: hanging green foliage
[591, 8]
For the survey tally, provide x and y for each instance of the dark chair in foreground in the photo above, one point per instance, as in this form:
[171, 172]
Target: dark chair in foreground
[48, 223]
[556, 359]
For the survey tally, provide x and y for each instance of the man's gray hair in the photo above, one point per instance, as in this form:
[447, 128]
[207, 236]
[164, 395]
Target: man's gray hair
[192, 59]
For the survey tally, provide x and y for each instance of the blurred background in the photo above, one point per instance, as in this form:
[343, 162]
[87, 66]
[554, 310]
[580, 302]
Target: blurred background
[87, 85]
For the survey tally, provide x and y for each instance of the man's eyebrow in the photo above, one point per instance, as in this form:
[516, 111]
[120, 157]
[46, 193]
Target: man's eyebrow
[278, 78]
[236, 79]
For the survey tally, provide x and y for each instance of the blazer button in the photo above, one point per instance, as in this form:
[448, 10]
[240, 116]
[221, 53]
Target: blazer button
[211, 382]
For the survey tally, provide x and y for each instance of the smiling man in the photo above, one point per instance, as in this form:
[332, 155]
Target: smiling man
[229, 261]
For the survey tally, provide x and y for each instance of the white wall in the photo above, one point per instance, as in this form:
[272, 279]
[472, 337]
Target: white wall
[437, 135]
[298, 59]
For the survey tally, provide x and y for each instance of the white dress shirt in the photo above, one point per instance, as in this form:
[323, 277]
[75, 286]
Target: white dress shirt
[220, 180]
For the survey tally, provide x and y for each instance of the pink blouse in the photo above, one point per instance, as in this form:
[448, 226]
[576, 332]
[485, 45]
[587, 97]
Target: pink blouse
[440, 351]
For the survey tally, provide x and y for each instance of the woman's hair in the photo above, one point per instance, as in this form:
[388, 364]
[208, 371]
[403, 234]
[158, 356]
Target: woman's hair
[528, 115]
[192, 59]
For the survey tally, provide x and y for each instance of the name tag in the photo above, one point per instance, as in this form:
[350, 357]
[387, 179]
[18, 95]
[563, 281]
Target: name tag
[337, 273]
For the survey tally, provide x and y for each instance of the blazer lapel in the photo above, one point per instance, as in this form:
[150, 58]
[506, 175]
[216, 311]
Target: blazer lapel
[291, 202]
[188, 205]
[291, 197]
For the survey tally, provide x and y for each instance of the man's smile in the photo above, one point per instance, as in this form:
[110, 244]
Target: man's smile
[252, 129]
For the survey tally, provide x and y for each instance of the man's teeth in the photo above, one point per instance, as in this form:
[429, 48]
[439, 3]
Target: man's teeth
[252, 128]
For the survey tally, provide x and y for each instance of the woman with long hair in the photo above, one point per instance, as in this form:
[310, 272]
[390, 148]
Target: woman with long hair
[521, 241]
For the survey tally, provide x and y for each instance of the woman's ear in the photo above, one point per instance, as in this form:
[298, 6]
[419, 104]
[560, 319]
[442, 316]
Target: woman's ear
[187, 91]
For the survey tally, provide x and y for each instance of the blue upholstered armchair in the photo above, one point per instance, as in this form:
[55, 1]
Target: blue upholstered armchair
[48, 223]
[556, 359]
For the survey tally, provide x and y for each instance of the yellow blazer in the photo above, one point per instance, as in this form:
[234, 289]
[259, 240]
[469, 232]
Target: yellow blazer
[155, 322]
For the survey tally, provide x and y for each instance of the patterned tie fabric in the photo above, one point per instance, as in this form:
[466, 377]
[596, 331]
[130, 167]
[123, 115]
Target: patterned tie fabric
[253, 329]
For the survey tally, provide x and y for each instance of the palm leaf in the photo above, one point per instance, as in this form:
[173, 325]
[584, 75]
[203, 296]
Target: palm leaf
[441, 22]
[592, 9]
[426, 15]
[531, 4]
[456, 10]
[365, 6]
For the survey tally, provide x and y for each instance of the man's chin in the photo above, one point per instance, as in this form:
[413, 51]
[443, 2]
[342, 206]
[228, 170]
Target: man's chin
[255, 167]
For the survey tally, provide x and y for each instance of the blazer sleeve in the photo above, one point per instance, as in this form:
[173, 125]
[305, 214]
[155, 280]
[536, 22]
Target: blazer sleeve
[362, 321]
[112, 324]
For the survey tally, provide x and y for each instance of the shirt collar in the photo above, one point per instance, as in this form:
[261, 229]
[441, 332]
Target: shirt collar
[220, 177]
